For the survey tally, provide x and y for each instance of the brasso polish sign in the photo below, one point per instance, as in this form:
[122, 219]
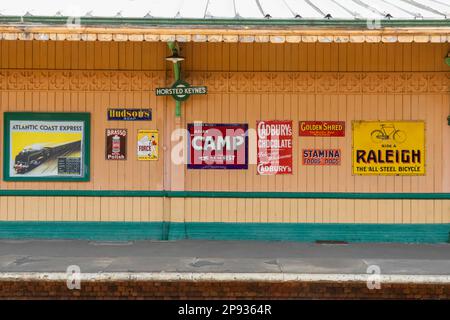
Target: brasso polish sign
[217, 146]
[274, 139]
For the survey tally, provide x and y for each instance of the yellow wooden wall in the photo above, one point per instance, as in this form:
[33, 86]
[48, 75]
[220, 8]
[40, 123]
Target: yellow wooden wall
[223, 210]
[81, 209]
[60, 76]
[246, 82]
[311, 210]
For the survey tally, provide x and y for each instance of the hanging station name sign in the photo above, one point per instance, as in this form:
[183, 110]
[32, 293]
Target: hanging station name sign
[181, 90]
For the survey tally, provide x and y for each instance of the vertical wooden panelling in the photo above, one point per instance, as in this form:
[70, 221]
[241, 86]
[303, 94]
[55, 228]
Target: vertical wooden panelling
[104, 59]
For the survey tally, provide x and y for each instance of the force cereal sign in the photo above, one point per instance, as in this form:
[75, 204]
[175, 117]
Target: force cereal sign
[274, 147]
[147, 145]
[217, 146]
[116, 144]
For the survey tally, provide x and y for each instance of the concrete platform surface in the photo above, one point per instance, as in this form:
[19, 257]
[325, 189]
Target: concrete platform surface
[226, 257]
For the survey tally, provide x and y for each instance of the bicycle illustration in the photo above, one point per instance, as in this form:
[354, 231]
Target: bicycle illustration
[388, 132]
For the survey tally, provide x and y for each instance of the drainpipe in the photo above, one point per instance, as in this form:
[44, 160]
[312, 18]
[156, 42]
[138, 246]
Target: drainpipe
[176, 74]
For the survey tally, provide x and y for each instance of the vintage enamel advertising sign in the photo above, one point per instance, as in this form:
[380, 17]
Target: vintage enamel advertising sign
[217, 146]
[147, 145]
[321, 157]
[321, 128]
[388, 148]
[274, 147]
[46, 146]
[129, 114]
[116, 144]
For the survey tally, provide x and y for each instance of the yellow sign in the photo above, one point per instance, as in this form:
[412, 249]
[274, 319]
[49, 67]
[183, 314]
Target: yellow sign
[40, 148]
[388, 148]
[147, 145]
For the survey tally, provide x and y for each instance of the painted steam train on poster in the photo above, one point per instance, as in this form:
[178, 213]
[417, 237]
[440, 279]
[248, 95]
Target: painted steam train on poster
[35, 155]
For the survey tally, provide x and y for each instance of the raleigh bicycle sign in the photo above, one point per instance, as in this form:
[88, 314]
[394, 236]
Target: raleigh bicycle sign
[181, 90]
[388, 148]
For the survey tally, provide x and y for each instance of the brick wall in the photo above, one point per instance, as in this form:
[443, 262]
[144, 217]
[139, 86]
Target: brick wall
[46, 289]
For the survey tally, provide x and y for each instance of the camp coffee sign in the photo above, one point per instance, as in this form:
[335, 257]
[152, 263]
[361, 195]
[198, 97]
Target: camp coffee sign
[388, 148]
[274, 147]
[217, 146]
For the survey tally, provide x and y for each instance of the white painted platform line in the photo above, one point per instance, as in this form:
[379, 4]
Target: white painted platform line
[261, 277]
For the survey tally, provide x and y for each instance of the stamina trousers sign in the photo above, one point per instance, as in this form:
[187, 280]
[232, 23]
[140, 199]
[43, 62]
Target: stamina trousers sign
[321, 157]
[388, 148]
[274, 147]
[217, 146]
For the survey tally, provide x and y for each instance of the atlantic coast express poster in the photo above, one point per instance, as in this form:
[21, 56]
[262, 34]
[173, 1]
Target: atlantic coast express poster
[42, 147]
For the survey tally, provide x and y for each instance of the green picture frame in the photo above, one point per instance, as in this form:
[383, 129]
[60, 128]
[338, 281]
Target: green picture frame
[59, 117]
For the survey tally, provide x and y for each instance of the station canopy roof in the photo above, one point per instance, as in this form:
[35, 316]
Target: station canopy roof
[219, 20]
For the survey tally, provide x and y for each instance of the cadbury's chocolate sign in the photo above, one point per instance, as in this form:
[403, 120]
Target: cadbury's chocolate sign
[217, 146]
[274, 147]
[321, 128]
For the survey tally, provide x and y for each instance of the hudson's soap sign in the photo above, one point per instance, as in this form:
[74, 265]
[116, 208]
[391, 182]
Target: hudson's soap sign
[217, 146]
[130, 114]
[274, 147]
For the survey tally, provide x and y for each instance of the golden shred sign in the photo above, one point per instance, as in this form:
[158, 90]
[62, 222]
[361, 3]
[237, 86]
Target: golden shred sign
[388, 148]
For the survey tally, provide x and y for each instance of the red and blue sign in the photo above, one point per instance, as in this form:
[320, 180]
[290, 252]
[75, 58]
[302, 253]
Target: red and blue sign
[217, 146]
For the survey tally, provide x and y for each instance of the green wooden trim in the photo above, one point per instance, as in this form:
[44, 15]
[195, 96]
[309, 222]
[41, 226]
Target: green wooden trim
[306, 195]
[223, 194]
[310, 232]
[81, 193]
[447, 61]
[304, 232]
[186, 22]
[49, 116]
[112, 231]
